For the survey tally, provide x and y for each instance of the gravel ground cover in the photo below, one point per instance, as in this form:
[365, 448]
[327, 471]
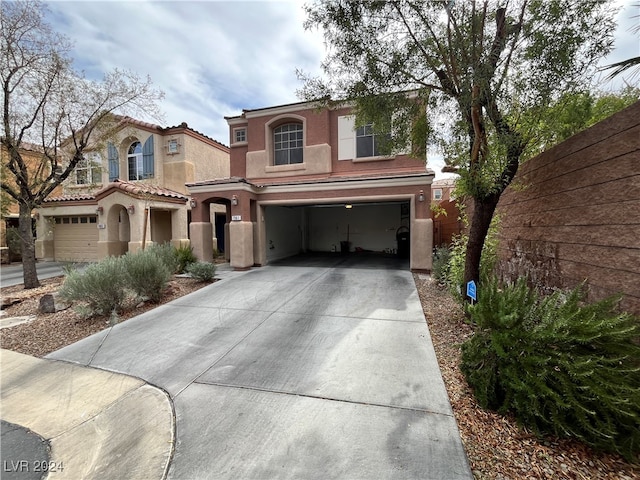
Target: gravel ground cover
[496, 447]
[51, 331]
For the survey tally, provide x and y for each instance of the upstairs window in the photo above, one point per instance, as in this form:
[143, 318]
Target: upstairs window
[437, 194]
[239, 135]
[287, 144]
[89, 169]
[367, 142]
[360, 142]
[134, 158]
[140, 160]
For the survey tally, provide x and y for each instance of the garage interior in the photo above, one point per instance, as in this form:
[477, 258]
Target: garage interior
[337, 228]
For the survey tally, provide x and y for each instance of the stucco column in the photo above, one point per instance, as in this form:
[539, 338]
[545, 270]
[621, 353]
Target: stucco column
[241, 244]
[227, 243]
[202, 240]
[421, 245]
[179, 227]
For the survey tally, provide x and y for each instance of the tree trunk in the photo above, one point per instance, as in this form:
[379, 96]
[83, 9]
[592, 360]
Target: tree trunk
[482, 214]
[30, 275]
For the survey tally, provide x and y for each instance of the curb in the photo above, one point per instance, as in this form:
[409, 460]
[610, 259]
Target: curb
[99, 424]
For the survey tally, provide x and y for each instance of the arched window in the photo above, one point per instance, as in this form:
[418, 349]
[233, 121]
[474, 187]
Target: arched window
[287, 144]
[140, 160]
[134, 158]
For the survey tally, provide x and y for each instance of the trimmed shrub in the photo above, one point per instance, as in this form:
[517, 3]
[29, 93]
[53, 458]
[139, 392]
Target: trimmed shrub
[203, 271]
[185, 257]
[560, 366]
[167, 253]
[102, 287]
[146, 274]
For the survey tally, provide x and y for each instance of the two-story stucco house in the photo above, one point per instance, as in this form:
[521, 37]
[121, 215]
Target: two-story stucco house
[306, 179]
[131, 190]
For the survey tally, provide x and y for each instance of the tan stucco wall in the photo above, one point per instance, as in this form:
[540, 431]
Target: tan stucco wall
[209, 162]
[177, 174]
[317, 160]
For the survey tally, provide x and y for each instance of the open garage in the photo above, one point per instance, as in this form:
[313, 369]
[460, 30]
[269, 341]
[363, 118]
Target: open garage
[340, 228]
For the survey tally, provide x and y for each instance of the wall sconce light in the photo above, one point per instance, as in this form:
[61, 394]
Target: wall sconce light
[131, 209]
[99, 210]
[348, 205]
[234, 200]
[421, 196]
[193, 203]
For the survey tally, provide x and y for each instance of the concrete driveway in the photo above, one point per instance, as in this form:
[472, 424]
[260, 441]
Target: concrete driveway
[313, 368]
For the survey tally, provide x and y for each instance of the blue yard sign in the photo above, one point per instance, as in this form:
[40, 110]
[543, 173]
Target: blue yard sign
[471, 291]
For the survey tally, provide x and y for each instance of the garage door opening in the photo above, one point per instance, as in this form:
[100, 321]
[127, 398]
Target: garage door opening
[367, 230]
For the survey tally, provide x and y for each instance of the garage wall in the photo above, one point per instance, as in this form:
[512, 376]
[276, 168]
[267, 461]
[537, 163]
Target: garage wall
[371, 227]
[284, 229]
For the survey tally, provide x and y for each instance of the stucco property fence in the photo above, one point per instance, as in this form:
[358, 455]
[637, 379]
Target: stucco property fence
[573, 213]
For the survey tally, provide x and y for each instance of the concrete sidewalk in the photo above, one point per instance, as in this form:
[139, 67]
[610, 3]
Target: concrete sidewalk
[287, 371]
[99, 425]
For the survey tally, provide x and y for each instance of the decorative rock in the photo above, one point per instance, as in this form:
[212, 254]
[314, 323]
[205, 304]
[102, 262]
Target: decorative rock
[51, 303]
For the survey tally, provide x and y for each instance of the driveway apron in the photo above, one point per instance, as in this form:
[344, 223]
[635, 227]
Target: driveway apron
[315, 369]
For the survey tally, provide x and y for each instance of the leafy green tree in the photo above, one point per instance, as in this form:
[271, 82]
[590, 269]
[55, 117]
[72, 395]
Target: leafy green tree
[473, 69]
[574, 112]
[52, 109]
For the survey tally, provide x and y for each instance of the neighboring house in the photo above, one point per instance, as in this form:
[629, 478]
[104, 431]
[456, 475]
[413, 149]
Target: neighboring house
[446, 214]
[130, 191]
[32, 156]
[306, 179]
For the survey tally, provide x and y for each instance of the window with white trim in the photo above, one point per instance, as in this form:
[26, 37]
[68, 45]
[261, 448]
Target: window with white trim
[288, 144]
[134, 159]
[240, 135]
[437, 194]
[89, 169]
[361, 142]
[366, 142]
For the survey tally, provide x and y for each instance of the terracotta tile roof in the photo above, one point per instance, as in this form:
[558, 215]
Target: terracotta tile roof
[70, 198]
[332, 179]
[163, 130]
[138, 189]
[220, 181]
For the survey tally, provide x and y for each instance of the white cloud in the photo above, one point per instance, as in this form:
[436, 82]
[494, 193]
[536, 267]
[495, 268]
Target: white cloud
[211, 58]
[214, 58]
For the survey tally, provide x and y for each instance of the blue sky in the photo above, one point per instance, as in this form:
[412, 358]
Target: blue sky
[214, 58]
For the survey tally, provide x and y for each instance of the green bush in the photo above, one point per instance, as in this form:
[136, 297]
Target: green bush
[440, 267]
[560, 366]
[185, 257]
[146, 273]
[455, 267]
[167, 254]
[102, 287]
[203, 271]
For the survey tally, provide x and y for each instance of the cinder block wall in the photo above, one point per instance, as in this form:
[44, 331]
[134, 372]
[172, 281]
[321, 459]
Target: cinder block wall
[573, 213]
